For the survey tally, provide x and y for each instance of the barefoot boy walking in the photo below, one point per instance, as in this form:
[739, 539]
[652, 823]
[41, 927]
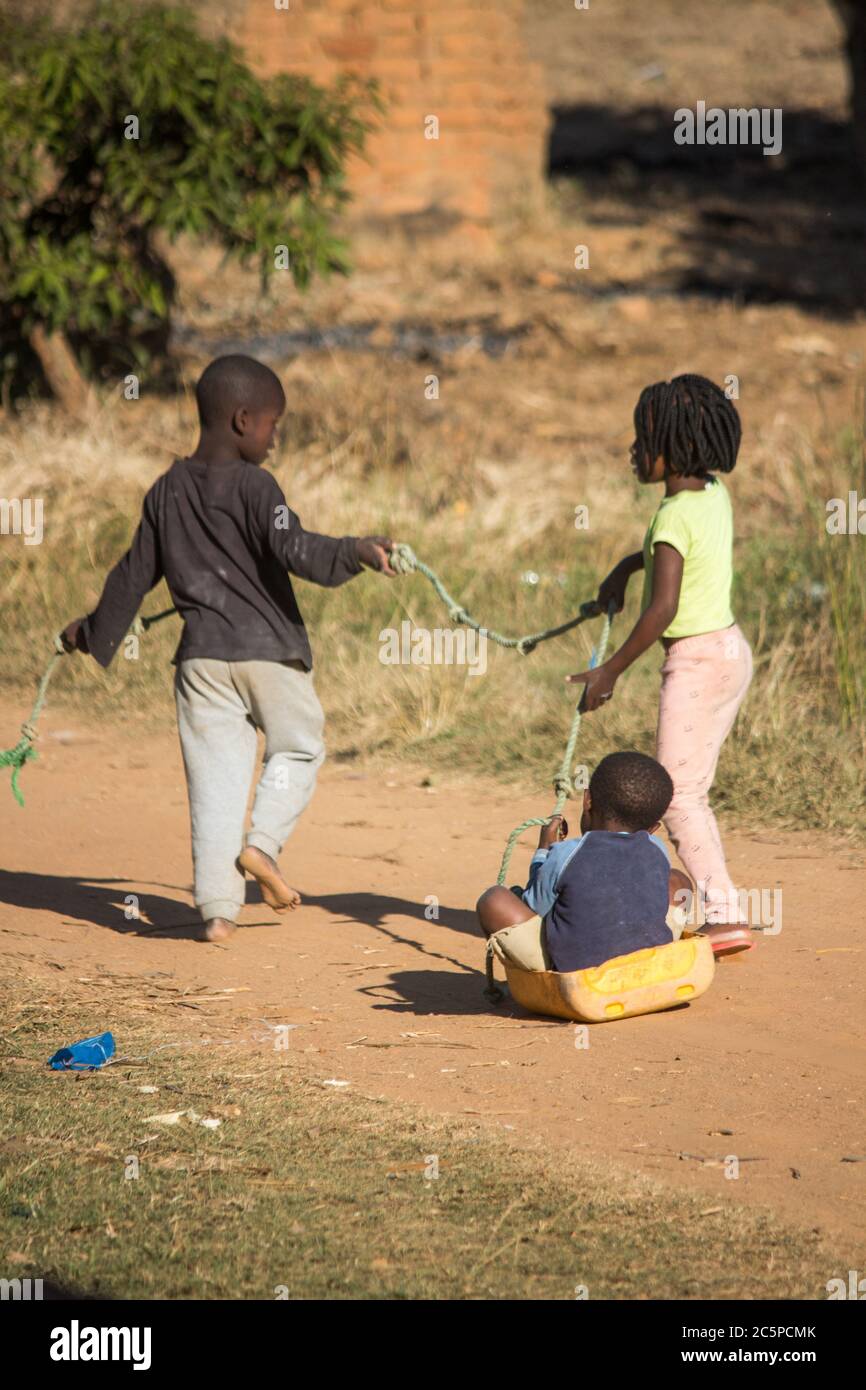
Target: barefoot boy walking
[218, 528]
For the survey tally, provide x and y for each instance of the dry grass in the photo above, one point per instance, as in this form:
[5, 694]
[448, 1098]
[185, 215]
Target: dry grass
[358, 454]
[319, 1192]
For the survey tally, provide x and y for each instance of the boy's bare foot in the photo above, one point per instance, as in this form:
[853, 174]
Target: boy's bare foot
[275, 891]
[217, 929]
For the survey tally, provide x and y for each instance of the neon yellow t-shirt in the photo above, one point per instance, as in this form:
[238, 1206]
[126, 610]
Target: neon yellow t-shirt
[700, 526]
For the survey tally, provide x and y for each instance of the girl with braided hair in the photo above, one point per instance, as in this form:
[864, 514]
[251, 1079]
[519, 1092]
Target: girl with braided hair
[687, 432]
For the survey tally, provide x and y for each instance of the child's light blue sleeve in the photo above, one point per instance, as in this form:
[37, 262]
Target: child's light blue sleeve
[544, 874]
[662, 846]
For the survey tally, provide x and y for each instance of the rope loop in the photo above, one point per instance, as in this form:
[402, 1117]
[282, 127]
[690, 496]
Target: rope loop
[403, 558]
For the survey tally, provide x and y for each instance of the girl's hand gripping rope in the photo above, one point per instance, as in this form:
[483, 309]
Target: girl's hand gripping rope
[601, 677]
[599, 686]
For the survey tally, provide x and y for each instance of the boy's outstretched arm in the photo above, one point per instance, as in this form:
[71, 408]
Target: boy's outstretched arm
[132, 578]
[325, 560]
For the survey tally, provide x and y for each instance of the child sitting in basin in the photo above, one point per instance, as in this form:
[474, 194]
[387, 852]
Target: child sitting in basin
[606, 893]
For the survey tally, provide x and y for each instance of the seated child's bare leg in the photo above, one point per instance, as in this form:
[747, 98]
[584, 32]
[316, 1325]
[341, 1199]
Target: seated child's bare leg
[680, 902]
[679, 884]
[275, 891]
[498, 907]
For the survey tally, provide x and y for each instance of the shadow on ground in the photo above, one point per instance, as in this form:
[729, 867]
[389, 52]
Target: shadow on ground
[789, 228]
[106, 902]
[101, 902]
[436, 992]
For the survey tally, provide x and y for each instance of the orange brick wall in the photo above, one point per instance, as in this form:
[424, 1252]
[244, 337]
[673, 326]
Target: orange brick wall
[463, 61]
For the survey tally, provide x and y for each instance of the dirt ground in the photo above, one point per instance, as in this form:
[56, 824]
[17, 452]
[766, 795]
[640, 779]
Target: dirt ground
[698, 263]
[767, 1066]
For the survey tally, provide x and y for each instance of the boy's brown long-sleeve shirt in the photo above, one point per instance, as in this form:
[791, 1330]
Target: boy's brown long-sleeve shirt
[223, 537]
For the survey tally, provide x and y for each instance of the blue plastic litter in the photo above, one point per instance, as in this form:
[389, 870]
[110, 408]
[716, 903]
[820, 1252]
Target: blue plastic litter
[88, 1055]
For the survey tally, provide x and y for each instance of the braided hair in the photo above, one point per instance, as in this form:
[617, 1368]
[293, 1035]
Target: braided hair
[689, 422]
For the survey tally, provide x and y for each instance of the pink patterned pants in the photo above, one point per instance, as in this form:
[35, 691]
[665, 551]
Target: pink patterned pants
[704, 682]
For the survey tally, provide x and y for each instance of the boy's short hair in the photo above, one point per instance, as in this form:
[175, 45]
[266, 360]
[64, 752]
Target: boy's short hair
[631, 788]
[233, 381]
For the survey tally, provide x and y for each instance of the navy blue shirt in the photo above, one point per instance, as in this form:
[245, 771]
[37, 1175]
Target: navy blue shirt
[603, 895]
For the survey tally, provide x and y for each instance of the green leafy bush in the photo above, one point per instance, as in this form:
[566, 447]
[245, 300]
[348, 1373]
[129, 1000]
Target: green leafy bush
[252, 165]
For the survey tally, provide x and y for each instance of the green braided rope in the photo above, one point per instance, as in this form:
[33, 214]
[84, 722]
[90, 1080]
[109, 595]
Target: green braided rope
[23, 751]
[563, 787]
[562, 782]
[404, 560]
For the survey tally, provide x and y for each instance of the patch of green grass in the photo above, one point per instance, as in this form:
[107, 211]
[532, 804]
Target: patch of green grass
[323, 1193]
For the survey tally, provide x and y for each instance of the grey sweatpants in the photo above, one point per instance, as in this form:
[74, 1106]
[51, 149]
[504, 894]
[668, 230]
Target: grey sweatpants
[220, 705]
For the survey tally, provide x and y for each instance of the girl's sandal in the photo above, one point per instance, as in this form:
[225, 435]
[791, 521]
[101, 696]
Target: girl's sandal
[727, 939]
